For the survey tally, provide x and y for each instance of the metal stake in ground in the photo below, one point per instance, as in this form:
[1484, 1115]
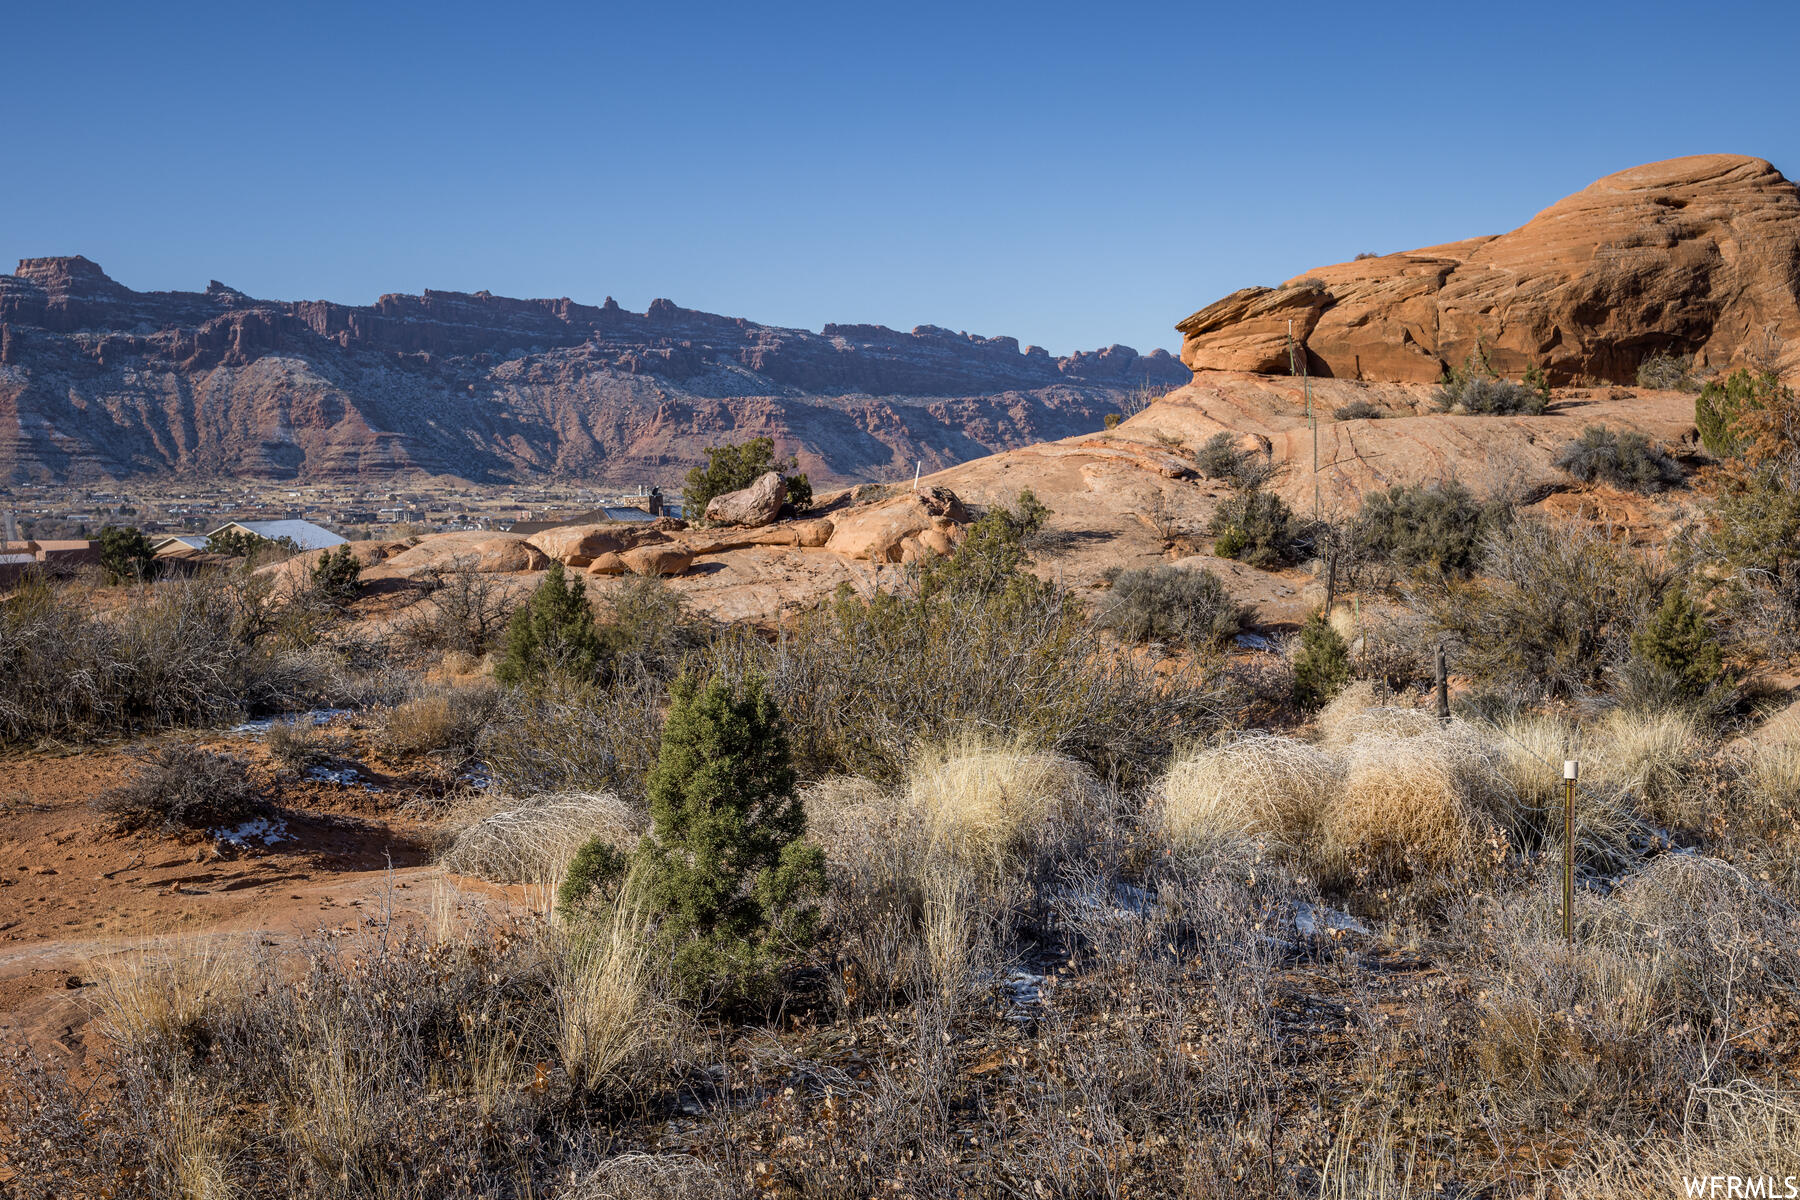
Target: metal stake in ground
[1442, 672]
[1571, 771]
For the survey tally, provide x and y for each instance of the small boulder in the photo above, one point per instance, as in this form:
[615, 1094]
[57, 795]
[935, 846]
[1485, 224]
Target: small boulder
[608, 564]
[815, 532]
[877, 532]
[579, 545]
[504, 555]
[657, 560]
[758, 504]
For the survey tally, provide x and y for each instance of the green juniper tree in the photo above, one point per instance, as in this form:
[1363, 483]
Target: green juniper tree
[553, 632]
[1677, 641]
[126, 553]
[726, 867]
[339, 575]
[1322, 665]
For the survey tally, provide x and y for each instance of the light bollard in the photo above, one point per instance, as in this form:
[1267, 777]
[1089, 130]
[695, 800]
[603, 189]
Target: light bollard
[1571, 772]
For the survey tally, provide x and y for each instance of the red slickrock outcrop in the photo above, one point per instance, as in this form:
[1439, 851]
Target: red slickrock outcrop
[1695, 255]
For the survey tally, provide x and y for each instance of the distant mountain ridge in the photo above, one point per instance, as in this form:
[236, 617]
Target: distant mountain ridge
[99, 381]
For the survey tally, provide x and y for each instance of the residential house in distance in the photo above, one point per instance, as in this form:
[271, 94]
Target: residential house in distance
[304, 534]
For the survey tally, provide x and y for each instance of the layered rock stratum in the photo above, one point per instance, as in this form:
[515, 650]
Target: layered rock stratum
[1697, 255]
[99, 381]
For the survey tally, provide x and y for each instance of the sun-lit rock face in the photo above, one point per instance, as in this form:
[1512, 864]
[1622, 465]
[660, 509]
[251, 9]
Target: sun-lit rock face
[1695, 255]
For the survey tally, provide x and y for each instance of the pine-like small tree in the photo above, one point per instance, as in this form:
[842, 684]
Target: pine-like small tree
[726, 865]
[554, 631]
[338, 575]
[126, 553]
[1322, 665]
[1678, 641]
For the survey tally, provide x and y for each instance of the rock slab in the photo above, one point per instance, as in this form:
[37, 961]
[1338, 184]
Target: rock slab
[1697, 255]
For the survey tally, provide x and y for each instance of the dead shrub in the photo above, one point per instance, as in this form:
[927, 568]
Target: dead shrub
[180, 652]
[441, 720]
[532, 840]
[568, 734]
[181, 786]
[861, 681]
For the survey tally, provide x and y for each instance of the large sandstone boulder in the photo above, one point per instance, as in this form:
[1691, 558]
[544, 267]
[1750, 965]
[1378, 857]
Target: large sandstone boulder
[501, 555]
[489, 553]
[758, 504]
[1695, 255]
[579, 545]
[888, 530]
[656, 560]
[813, 532]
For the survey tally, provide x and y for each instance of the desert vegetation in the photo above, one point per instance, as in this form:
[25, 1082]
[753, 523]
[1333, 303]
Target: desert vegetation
[737, 465]
[1625, 460]
[1476, 389]
[972, 884]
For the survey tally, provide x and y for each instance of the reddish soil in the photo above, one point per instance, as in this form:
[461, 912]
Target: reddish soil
[72, 891]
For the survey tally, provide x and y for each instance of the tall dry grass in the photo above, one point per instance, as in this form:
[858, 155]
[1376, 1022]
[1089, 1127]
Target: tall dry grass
[606, 993]
[1260, 786]
[1417, 802]
[154, 996]
[985, 802]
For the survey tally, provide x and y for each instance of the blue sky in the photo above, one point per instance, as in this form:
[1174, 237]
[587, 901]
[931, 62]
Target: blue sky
[1070, 175]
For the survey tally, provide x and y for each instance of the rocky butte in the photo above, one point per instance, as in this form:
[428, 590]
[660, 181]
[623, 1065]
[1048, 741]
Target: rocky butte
[100, 381]
[1696, 255]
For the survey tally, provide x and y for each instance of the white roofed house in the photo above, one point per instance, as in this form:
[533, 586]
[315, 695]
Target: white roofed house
[303, 534]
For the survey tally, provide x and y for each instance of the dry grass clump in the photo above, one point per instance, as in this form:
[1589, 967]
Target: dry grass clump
[531, 841]
[1358, 712]
[1414, 802]
[441, 720]
[157, 995]
[1256, 786]
[1654, 998]
[651, 1177]
[984, 802]
[873, 905]
[1739, 1131]
[296, 743]
[1647, 754]
[606, 993]
[1532, 749]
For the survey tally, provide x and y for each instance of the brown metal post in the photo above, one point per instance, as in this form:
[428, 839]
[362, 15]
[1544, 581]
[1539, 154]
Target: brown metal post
[1443, 685]
[1571, 769]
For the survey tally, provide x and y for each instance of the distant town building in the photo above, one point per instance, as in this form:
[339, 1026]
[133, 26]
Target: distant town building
[303, 534]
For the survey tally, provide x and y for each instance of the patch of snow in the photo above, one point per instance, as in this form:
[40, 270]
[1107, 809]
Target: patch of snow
[1253, 641]
[342, 776]
[262, 725]
[1315, 920]
[263, 830]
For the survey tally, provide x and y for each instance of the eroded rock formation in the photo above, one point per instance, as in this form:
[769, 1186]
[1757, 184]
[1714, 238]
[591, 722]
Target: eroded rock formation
[1696, 255]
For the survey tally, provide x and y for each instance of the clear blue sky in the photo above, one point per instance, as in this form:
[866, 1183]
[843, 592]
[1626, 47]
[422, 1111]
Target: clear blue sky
[1070, 175]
